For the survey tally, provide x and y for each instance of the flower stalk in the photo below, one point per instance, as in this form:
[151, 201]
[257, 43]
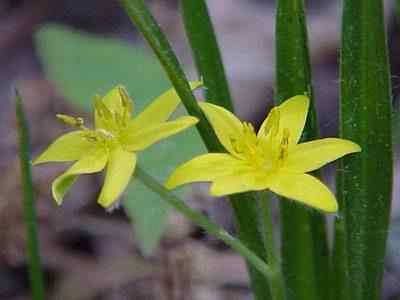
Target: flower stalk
[276, 282]
[203, 222]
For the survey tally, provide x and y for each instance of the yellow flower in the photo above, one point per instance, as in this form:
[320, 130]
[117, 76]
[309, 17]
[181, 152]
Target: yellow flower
[113, 142]
[271, 159]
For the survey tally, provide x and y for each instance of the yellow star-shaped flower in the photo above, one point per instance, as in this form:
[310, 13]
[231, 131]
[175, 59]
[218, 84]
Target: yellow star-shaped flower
[113, 142]
[271, 159]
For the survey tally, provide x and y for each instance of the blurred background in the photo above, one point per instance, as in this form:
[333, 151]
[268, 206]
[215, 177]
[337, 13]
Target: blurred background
[59, 54]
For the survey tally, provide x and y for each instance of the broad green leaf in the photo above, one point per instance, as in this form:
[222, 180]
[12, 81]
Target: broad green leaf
[82, 65]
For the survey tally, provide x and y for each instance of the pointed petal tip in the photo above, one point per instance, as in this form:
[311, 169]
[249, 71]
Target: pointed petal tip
[56, 196]
[105, 203]
[35, 161]
[191, 120]
[215, 192]
[173, 181]
[169, 184]
[300, 99]
[196, 84]
[357, 147]
[331, 207]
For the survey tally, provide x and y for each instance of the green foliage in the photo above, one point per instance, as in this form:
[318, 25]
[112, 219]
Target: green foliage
[364, 180]
[82, 65]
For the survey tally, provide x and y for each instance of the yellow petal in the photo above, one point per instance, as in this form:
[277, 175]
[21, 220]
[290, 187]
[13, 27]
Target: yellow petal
[161, 108]
[225, 124]
[120, 167]
[205, 167]
[309, 156]
[244, 181]
[305, 189]
[68, 147]
[92, 162]
[292, 115]
[149, 135]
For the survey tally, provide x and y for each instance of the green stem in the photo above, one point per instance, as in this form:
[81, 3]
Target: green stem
[142, 18]
[35, 272]
[203, 222]
[276, 282]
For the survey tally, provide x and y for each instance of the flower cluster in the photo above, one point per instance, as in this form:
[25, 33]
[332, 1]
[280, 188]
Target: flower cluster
[270, 159]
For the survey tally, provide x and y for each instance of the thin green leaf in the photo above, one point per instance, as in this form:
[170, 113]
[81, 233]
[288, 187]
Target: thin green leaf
[365, 179]
[200, 32]
[304, 244]
[35, 271]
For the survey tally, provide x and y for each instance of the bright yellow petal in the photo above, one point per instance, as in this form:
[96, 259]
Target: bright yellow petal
[309, 156]
[120, 167]
[205, 167]
[94, 161]
[305, 189]
[292, 115]
[225, 124]
[149, 135]
[240, 182]
[161, 108]
[68, 147]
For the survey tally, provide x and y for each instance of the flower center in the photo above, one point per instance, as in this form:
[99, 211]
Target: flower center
[266, 152]
[247, 146]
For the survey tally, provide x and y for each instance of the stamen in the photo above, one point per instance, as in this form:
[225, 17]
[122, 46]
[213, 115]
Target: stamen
[106, 134]
[126, 101]
[101, 108]
[71, 121]
[284, 147]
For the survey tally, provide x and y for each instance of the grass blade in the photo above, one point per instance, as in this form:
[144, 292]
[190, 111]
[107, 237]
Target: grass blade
[207, 56]
[365, 179]
[200, 32]
[35, 272]
[304, 245]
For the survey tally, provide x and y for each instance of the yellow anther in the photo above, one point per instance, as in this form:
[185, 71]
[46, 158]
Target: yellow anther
[284, 147]
[71, 121]
[105, 134]
[101, 109]
[126, 101]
